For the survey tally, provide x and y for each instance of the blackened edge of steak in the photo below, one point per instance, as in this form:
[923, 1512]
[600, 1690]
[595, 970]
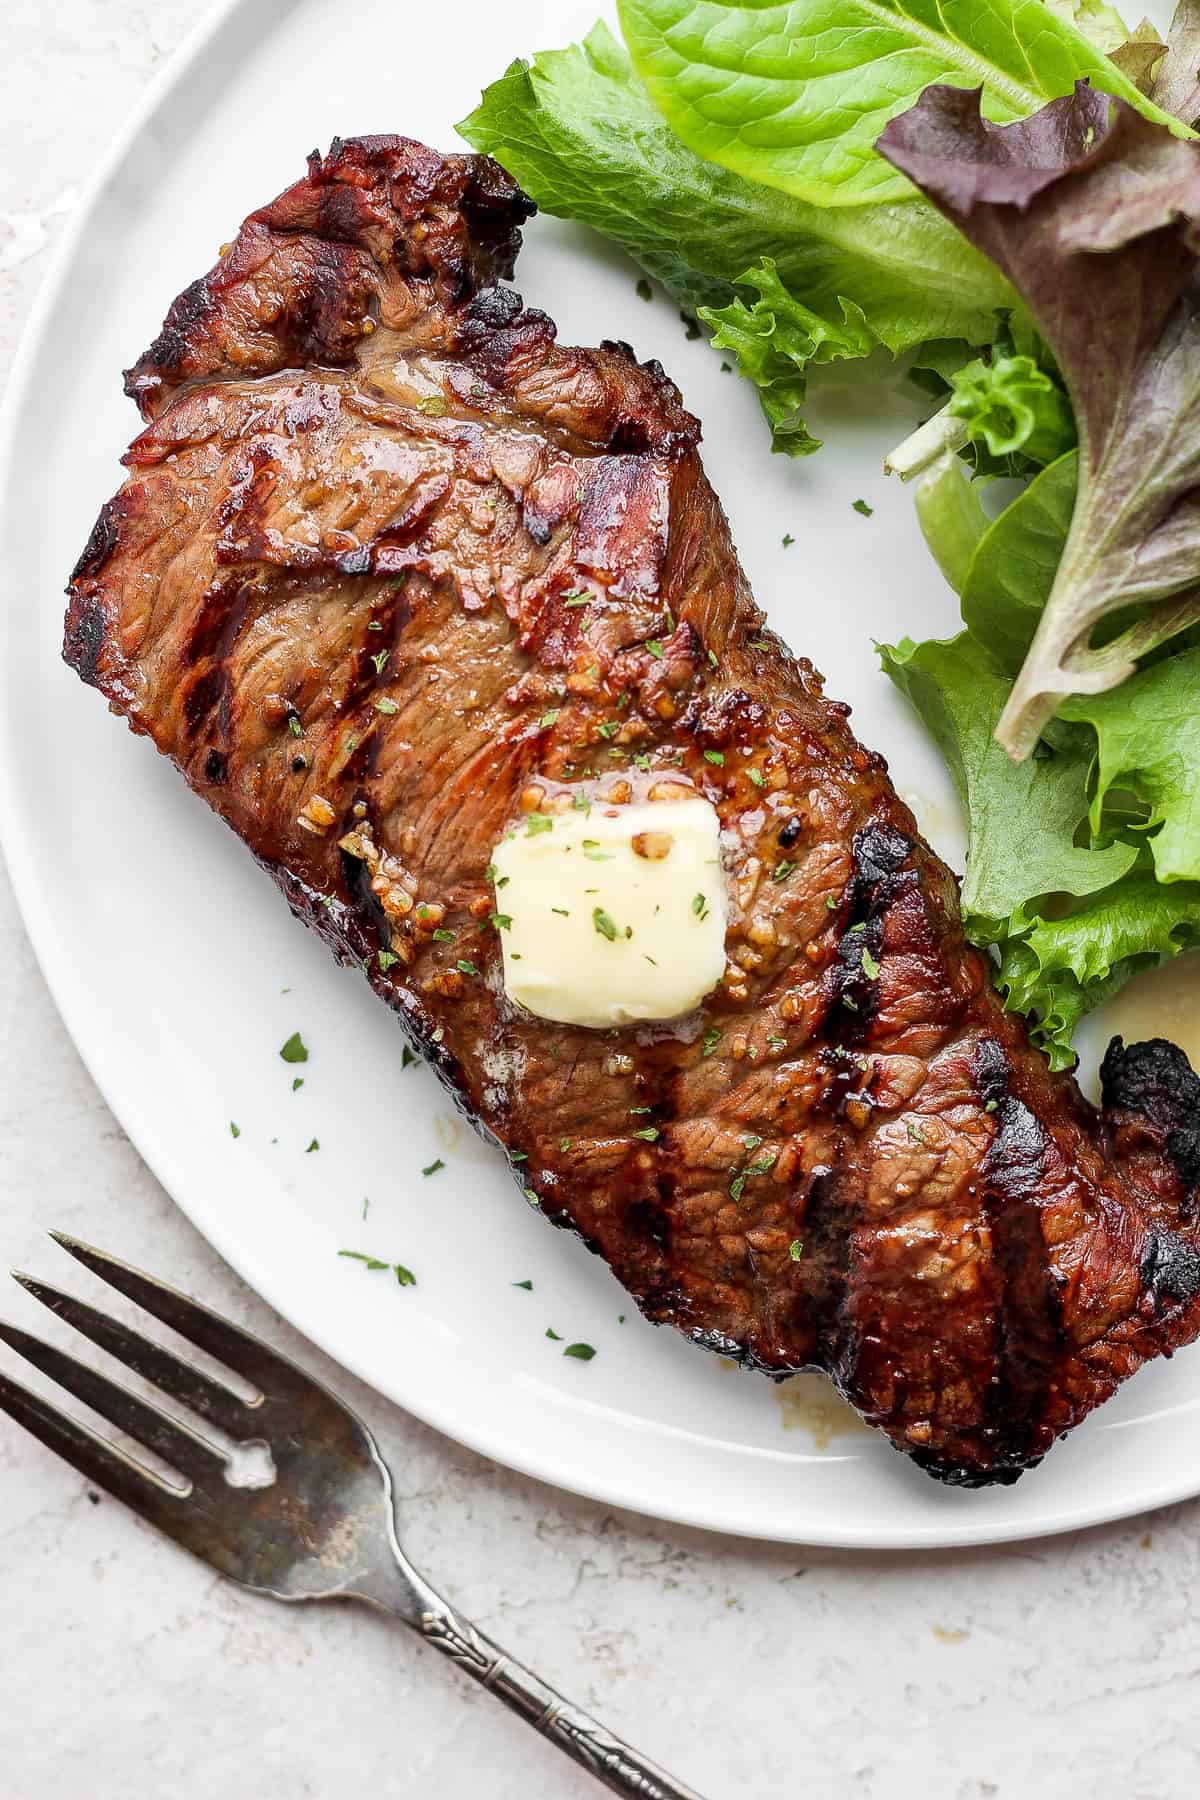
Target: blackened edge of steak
[1156, 1081]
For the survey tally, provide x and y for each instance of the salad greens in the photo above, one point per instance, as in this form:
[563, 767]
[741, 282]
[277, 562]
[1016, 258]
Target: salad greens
[794, 93]
[782, 284]
[1091, 211]
[1035, 263]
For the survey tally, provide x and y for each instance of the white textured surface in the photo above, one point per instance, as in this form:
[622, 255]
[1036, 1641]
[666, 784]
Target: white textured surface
[1068, 1668]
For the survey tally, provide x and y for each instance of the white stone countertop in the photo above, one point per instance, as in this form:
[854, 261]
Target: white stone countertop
[1068, 1668]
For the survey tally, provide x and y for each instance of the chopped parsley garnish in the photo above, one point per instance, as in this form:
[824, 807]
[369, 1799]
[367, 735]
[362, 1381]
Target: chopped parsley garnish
[610, 728]
[991, 1106]
[433, 404]
[795, 1249]
[404, 1276]
[489, 874]
[715, 756]
[782, 870]
[297, 1082]
[371, 1262]
[788, 540]
[870, 967]
[434, 1166]
[518, 1156]
[580, 599]
[234, 1130]
[655, 649]
[295, 1050]
[562, 911]
[643, 290]
[502, 921]
[712, 1038]
[386, 959]
[548, 718]
[537, 823]
[649, 1132]
[465, 966]
[527, 1285]
[831, 903]
[604, 924]
[555, 1335]
[860, 506]
[777, 1043]
[581, 803]
[564, 1144]
[585, 1352]
[294, 725]
[408, 1057]
[916, 1135]
[379, 660]
[641, 761]
[757, 777]
[700, 906]
[383, 704]
[315, 1145]
[375, 624]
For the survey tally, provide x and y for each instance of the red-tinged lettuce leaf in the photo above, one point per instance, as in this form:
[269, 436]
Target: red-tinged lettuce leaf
[1177, 84]
[1093, 214]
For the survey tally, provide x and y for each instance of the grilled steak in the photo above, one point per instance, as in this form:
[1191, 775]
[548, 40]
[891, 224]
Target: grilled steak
[335, 589]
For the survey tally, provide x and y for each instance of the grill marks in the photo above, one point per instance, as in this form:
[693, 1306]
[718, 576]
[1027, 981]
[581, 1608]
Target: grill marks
[1030, 1342]
[981, 1257]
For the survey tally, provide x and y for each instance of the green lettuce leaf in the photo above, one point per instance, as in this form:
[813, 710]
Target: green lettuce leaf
[1148, 747]
[1013, 409]
[794, 93]
[1012, 570]
[1064, 968]
[776, 338]
[787, 284]
[959, 694]
[1071, 907]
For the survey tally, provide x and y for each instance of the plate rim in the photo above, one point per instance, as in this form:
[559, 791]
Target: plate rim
[944, 1534]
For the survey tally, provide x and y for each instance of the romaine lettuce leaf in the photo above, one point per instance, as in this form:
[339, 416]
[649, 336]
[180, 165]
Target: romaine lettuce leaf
[788, 283]
[794, 93]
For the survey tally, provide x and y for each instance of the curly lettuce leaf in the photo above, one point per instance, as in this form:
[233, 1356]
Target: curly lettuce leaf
[776, 339]
[1092, 211]
[794, 93]
[1069, 903]
[1064, 968]
[1013, 409]
[578, 130]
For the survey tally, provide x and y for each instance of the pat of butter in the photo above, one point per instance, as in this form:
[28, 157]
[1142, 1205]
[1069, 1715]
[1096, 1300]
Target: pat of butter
[612, 915]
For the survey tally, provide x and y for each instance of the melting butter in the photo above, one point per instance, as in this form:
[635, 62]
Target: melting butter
[612, 914]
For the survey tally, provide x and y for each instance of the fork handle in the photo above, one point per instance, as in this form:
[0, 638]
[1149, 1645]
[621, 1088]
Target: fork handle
[621, 1769]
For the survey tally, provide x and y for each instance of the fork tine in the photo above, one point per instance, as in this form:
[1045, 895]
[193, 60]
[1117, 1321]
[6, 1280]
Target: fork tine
[178, 1379]
[237, 1349]
[94, 1459]
[193, 1458]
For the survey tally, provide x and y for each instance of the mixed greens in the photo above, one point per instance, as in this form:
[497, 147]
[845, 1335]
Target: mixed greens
[1007, 192]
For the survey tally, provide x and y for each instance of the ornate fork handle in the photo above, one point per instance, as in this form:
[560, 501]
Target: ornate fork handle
[583, 1738]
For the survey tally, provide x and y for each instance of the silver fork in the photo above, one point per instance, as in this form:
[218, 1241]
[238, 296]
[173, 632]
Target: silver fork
[318, 1525]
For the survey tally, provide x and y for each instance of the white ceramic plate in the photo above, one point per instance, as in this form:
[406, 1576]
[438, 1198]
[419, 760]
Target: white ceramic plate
[180, 973]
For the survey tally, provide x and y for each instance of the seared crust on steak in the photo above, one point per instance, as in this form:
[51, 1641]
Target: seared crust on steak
[336, 589]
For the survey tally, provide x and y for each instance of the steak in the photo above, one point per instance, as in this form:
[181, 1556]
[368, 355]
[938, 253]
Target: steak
[343, 587]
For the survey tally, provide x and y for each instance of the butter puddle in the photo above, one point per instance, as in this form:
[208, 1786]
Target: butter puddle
[1160, 1003]
[810, 1403]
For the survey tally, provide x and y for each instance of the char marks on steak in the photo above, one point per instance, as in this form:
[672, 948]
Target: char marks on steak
[334, 589]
